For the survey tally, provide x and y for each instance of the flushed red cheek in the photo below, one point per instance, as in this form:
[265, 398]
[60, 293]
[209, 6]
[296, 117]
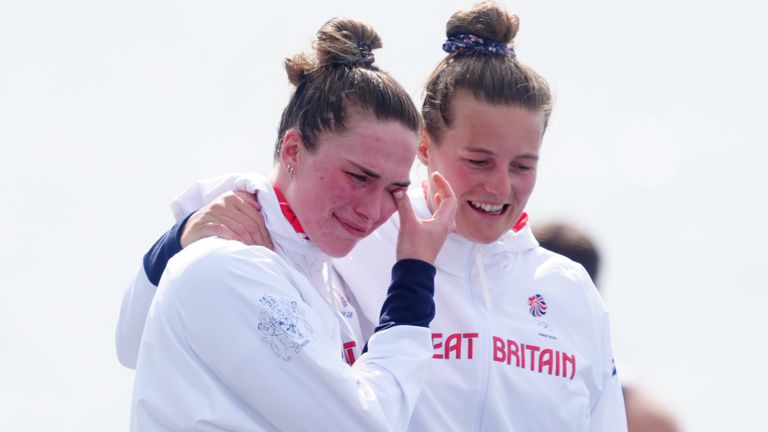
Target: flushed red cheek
[385, 215]
[341, 196]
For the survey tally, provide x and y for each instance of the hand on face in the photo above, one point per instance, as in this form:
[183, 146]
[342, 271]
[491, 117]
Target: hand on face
[232, 216]
[341, 191]
[423, 239]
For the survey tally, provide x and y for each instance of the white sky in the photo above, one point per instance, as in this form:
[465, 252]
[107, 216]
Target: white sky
[657, 146]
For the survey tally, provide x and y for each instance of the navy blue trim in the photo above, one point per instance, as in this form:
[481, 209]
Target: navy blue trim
[410, 297]
[162, 251]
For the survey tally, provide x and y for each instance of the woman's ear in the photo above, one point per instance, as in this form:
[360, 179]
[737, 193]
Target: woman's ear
[423, 151]
[289, 151]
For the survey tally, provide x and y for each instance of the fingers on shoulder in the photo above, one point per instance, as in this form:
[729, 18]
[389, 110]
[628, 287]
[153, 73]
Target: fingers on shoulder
[215, 229]
[248, 199]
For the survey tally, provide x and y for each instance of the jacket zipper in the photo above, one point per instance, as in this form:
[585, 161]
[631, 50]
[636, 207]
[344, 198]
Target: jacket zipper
[485, 347]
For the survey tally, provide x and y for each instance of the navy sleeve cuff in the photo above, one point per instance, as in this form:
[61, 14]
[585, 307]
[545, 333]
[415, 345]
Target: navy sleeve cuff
[163, 250]
[410, 296]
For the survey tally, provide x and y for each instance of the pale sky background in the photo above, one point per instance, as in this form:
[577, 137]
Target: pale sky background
[657, 146]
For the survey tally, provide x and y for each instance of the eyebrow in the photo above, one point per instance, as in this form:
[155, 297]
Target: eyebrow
[488, 152]
[372, 174]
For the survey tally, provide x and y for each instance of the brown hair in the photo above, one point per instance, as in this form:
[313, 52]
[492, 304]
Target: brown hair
[570, 241]
[493, 78]
[340, 74]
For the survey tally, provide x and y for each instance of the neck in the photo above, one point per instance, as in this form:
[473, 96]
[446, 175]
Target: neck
[280, 178]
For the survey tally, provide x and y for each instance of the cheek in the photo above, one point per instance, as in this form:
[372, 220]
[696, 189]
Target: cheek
[339, 191]
[459, 177]
[525, 187]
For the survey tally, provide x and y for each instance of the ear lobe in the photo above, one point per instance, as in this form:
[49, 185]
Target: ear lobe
[423, 151]
[289, 152]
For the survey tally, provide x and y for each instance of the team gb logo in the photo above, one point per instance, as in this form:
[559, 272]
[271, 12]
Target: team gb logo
[537, 306]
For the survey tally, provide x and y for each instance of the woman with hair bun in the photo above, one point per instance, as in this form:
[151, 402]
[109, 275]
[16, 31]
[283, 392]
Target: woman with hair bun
[521, 338]
[243, 338]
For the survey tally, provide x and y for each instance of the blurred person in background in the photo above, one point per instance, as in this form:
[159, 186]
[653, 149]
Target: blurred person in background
[644, 412]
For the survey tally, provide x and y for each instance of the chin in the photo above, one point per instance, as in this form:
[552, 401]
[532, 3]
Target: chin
[339, 249]
[479, 232]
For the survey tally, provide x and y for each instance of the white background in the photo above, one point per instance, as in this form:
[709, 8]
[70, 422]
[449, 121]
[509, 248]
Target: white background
[657, 146]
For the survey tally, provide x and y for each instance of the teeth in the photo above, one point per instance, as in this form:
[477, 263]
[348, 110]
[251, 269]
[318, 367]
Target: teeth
[490, 208]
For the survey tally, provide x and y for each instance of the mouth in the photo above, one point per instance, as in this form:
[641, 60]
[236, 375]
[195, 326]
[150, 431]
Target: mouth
[488, 208]
[352, 228]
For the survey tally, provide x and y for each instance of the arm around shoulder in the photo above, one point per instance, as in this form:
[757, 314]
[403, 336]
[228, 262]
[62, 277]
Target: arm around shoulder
[238, 318]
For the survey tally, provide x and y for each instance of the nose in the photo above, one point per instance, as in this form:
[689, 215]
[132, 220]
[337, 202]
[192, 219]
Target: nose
[499, 182]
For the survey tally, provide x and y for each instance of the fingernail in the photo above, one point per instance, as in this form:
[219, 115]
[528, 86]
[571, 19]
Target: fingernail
[398, 194]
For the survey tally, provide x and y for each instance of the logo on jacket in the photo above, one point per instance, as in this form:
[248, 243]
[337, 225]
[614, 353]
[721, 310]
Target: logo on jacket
[283, 326]
[537, 306]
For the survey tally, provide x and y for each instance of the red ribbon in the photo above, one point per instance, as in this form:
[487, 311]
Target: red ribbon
[287, 212]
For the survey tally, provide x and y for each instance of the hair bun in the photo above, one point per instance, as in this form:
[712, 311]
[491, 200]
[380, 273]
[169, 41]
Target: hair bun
[346, 41]
[486, 20]
[340, 41]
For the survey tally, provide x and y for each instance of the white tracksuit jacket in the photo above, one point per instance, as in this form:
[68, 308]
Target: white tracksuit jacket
[241, 338]
[520, 337]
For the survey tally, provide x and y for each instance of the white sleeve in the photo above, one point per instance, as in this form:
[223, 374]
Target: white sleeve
[133, 312]
[238, 325]
[608, 413]
[365, 273]
[138, 295]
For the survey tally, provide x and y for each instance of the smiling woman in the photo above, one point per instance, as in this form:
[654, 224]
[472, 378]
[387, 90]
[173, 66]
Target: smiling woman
[521, 337]
[489, 154]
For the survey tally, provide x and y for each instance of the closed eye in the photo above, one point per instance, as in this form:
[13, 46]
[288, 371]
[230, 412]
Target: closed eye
[478, 162]
[356, 177]
[396, 188]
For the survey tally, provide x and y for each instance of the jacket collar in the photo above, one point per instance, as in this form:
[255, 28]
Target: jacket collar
[289, 244]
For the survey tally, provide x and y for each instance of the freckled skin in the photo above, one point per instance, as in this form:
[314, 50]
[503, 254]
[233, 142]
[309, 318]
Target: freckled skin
[489, 155]
[335, 206]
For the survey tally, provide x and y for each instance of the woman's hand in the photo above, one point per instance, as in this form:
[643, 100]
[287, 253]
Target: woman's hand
[232, 216]
[423, 239]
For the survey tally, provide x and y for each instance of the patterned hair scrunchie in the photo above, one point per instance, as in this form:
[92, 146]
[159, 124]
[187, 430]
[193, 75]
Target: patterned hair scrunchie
[476, 44]
[363, 56]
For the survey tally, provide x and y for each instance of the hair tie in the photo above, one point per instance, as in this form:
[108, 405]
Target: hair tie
[475, 44]
[364, 56]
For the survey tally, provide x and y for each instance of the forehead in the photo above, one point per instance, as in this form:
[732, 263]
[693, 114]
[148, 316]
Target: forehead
[386, 147]
[498, 128]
